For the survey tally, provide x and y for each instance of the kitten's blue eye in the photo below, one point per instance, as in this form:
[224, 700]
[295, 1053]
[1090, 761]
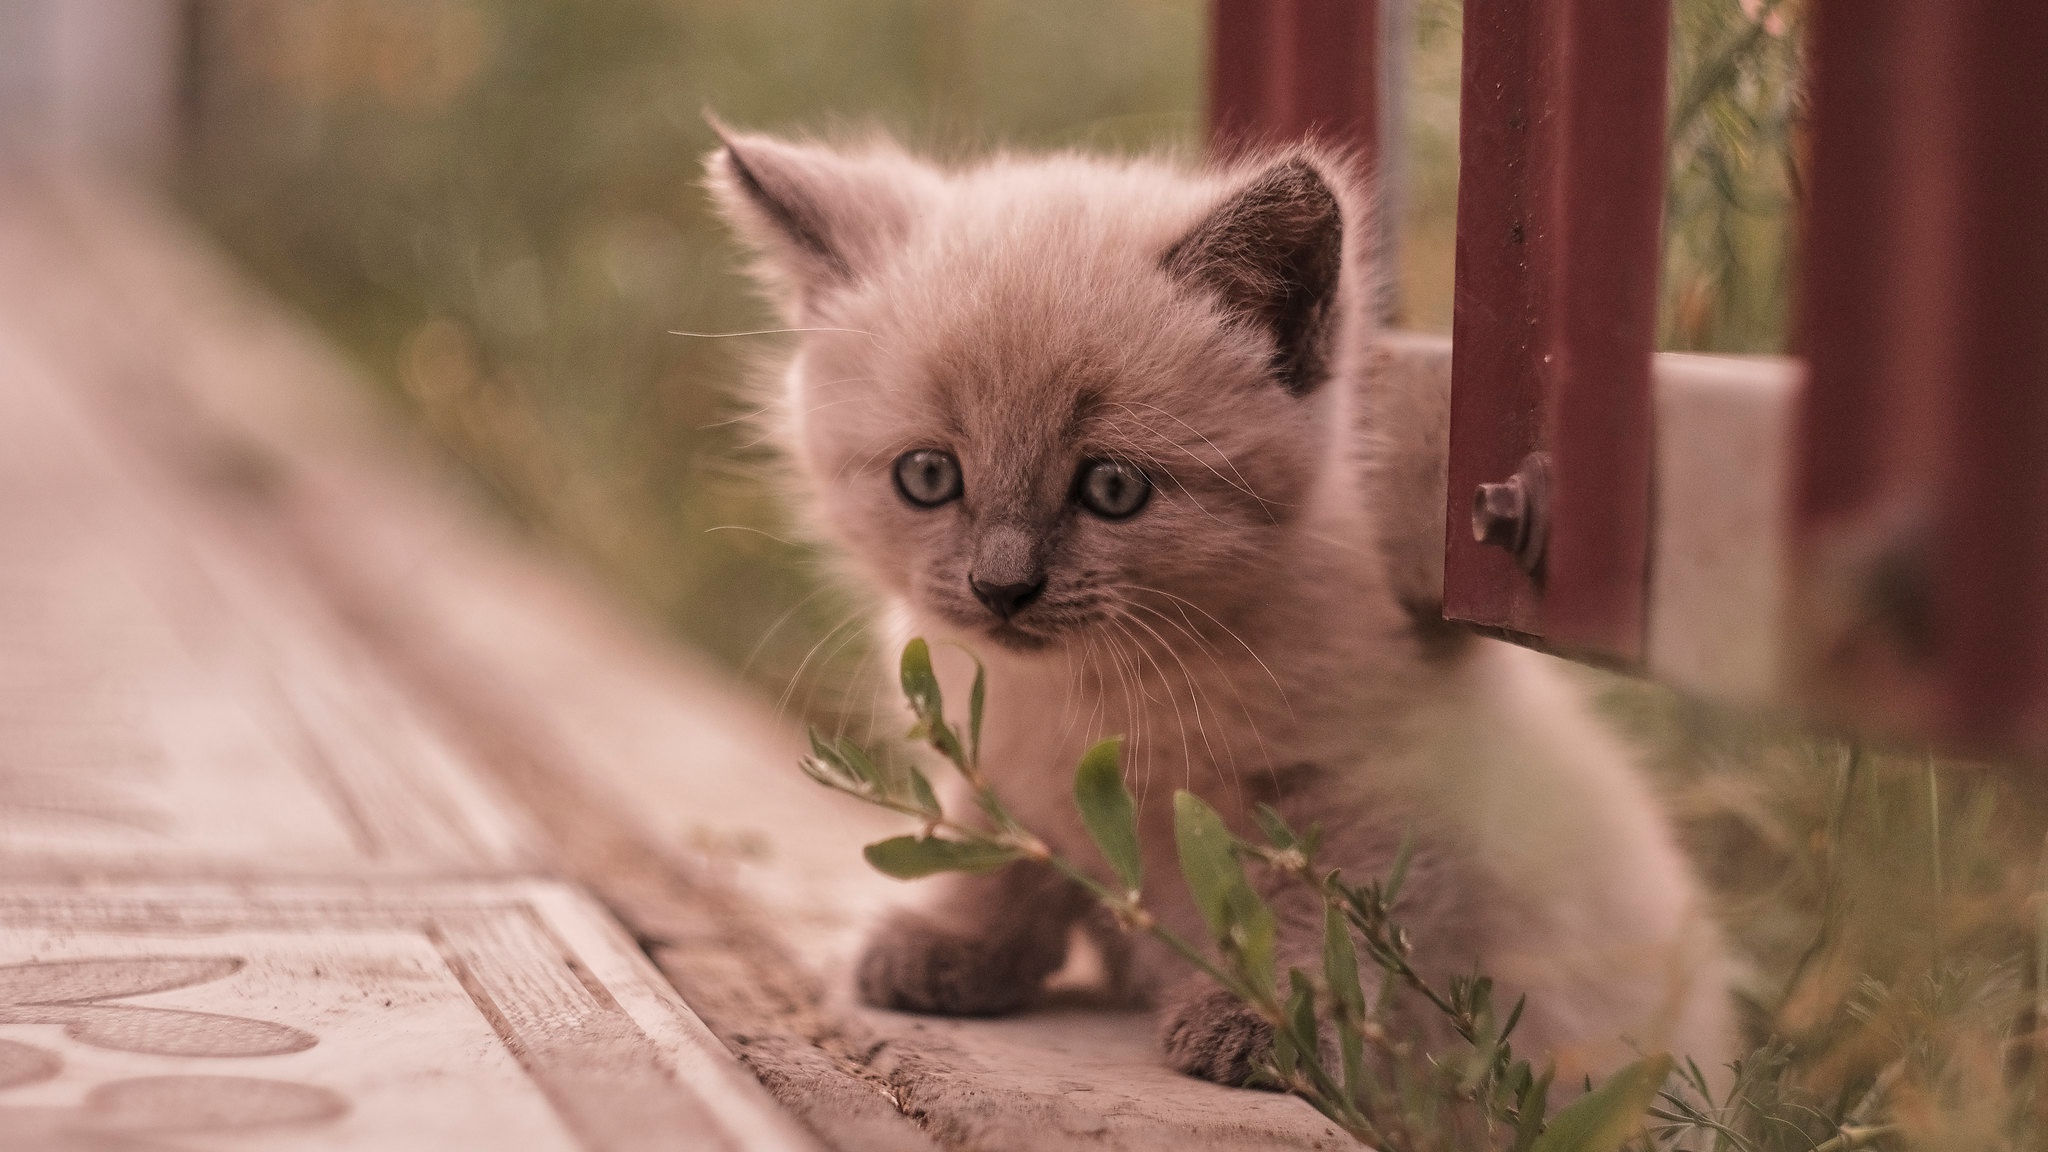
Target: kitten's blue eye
[1113, 489]
[928, 477]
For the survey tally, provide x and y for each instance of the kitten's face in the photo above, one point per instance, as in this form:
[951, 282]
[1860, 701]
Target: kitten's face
[1036, 421]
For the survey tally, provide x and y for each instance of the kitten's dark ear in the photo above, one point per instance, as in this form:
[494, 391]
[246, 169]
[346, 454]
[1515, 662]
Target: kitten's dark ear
[1273, 253]
[819, 217]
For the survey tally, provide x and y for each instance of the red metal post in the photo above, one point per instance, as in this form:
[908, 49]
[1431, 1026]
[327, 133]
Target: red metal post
[1922, 507]
[1560, 197]
[1496, 390]
[1280, 70]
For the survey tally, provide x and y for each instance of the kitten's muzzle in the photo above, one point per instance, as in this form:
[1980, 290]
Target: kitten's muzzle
[1006, 600]
[1008, 571]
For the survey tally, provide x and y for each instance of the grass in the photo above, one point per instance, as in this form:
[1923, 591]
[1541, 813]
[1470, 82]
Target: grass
[494, 206]
[1886, 906]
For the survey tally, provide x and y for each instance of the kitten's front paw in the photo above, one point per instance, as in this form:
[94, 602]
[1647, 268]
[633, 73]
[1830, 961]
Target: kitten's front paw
[1207, 1032]
[912, 965]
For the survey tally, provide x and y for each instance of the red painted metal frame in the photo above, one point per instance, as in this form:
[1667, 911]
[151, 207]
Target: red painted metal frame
[1922, 501]
[1280, 70]
[1560, 198]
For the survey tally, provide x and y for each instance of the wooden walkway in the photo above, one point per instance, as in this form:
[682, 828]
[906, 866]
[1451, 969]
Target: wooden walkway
[331, 817]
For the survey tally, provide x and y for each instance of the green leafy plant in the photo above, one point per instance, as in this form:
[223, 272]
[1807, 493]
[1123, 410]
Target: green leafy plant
[1899, 1003]
[1380, 1090]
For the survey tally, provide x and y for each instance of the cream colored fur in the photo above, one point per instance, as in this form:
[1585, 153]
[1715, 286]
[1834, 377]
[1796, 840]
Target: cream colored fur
[1252, 631]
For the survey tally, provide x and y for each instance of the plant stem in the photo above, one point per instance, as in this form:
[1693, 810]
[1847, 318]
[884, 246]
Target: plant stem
[1851, 1138]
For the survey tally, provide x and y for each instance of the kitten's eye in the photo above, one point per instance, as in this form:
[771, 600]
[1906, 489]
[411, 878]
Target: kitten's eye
[928, 477]
[1113, 489]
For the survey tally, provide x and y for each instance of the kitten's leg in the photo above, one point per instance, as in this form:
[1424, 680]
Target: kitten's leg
[984, 947]
[1207, 1032]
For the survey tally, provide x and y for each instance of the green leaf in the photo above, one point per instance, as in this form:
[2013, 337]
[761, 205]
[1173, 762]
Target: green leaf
[1340, 964]
[920, 683]
[976, 697]
[921, 689]
[909, 857]
[1514, 1017]
[1280, 1073]
[921, 793]
[856, 760]
[1277, 832]
[840, 764]
[826, 755]
[1351, 1051]
[1206, 862]
[1301, 1012]
[1605, 1118]
[828, 774]
[1535, 1099]
[1340, 972]
[1391, 890]
[1241, 922]
[946, 742]
[1107, 809]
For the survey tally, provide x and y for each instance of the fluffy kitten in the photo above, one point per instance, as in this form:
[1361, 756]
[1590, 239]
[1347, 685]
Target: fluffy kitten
[1109, 423]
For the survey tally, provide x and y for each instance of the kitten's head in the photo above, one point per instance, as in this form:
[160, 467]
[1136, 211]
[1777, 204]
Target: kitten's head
[1040, 397]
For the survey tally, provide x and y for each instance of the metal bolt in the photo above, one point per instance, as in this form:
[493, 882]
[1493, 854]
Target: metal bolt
[1500, 513]
[1515, 513]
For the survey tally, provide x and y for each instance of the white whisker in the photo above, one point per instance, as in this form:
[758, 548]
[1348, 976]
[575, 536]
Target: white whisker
[795, 678]
[748, 664]
[768, 332]
[1207, 650]
[754, 530]
[1229, 631]
[1240, 483]
[1180, 721]
[1194, 690]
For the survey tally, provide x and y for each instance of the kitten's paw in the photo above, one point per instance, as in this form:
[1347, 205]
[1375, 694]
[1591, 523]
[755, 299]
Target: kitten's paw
[912, 965]
[1207, 1032]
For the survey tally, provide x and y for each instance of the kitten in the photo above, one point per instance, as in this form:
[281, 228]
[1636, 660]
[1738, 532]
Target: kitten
[1109, 424]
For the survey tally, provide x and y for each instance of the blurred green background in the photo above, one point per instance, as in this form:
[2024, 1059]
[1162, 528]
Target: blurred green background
[496, 207]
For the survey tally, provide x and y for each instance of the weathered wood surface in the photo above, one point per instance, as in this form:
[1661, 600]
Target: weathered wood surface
[288, 726]
[253, 888]
[386, 1016]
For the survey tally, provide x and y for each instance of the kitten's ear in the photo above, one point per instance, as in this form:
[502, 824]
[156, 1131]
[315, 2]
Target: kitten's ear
[1273, 252]
[819, 217]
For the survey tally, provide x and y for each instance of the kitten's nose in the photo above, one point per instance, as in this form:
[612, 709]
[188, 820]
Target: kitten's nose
[1006, 600]
[1007, 573]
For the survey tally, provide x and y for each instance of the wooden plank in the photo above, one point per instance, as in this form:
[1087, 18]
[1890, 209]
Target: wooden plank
[425, 1017]
[1922, 549]
[1559, 209]
[164, 704]
[182, 697]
